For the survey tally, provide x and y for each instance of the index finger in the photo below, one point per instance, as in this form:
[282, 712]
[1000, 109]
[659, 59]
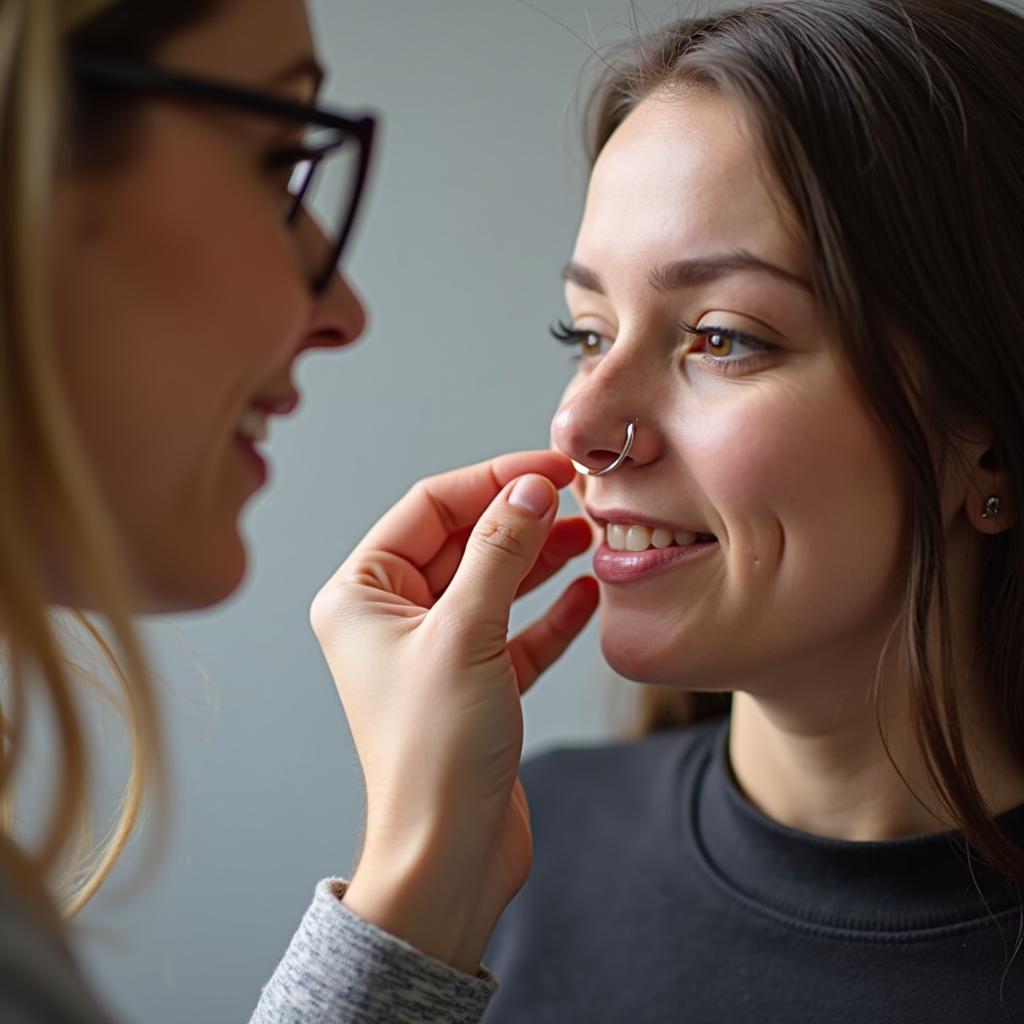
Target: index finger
[417, 527]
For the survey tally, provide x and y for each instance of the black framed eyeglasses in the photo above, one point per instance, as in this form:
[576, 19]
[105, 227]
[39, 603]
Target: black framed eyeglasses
[328, 171]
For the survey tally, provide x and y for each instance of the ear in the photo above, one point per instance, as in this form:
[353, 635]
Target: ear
[987, 500]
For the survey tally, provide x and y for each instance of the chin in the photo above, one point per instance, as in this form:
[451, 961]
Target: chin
[633, 655]
[659, 643]
[202, 580]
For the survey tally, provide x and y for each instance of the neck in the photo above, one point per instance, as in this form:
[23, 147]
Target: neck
[812, 756]
[827, 745]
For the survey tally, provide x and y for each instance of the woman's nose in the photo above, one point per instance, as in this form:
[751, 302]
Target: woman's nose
[594, 433]
[339, 316]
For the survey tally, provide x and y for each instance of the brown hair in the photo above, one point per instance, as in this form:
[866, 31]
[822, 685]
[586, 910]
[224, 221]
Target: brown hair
[40, 447]
[896, 130]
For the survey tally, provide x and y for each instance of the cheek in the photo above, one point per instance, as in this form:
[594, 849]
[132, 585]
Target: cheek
[810, 502]
[172, 315]
[817, 458]
[216, 285]
[174, 323]
[801, 486]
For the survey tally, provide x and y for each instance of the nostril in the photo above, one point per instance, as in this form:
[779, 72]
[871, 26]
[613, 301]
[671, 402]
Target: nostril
[605, 458]
[326, 338]
[333, 338]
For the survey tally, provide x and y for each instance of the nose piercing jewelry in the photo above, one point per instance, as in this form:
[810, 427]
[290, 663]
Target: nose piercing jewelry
[623, 455]
[991, 509]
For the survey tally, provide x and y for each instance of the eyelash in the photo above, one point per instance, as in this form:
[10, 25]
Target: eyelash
[568, 335]
[724, 364]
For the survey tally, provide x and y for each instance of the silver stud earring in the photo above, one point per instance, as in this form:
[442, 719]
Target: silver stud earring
[991, 509]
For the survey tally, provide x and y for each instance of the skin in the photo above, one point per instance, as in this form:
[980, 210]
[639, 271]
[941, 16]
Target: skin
[173, 315]
[779, 456]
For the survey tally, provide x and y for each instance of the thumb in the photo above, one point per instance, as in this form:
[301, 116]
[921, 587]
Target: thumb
[501, 550]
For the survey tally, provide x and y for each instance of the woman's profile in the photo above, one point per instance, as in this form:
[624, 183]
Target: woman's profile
[797, 423]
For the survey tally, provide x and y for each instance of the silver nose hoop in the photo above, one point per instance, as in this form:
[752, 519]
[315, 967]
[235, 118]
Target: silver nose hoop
[623, 455]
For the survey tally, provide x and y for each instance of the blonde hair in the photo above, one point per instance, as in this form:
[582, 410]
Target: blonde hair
[41, 455]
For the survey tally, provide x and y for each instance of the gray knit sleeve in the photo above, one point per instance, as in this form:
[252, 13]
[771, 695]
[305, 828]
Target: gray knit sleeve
[342, 969]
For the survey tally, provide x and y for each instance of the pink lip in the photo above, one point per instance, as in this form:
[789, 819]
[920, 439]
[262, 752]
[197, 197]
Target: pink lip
[258, 463]
[624, 566]
[620, 515]
[278, 405]
[274, 405]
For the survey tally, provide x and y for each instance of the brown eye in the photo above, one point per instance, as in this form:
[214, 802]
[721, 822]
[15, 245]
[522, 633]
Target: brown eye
[718, 344]
[726, 350]
[587, 343]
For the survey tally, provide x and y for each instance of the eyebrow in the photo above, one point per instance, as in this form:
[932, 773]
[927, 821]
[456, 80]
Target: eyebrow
[306, 65]
[688, 273]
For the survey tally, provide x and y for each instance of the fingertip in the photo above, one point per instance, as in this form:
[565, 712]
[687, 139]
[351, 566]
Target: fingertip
[571, 536]
[564, 471]
[534, 494]
[578, 603]
[589, 588]
[590, 598]
[556, 466]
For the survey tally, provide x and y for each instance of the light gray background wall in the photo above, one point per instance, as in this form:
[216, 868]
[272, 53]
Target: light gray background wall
[473, 211]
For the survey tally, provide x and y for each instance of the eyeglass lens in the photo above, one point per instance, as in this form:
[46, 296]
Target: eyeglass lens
[325, 185]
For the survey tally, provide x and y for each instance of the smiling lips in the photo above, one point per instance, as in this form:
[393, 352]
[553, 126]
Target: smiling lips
[611, 566]
[628, 531]
[628, 537]
[252, 426]
[636, 549]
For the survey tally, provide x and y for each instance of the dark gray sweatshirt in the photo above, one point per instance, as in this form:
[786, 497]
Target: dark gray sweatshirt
[658, 894]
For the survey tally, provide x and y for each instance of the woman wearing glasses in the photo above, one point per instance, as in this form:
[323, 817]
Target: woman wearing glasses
[162, 276]
[799, 251]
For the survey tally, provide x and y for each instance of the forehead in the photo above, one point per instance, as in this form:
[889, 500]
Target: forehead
[246, 41]
[682, 176]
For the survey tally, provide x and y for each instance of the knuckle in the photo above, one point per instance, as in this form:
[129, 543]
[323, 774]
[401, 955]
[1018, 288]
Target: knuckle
[501, 538]
[531, 662]
[453, 632]
[332, 605]
[426, 492]
[559, 632]
[420, 487]
[467, 637]
[321, 608]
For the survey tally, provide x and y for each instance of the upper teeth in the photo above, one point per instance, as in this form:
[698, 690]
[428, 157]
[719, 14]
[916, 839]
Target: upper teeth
[252, 425]
[623, 537]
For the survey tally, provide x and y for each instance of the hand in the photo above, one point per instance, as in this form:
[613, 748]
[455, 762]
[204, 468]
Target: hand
[414, 627]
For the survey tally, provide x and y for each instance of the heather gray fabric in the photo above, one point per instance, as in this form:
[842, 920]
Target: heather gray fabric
[338, 968]
[342, 968]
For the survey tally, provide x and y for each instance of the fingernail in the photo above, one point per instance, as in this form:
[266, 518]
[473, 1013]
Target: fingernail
[532, 493]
